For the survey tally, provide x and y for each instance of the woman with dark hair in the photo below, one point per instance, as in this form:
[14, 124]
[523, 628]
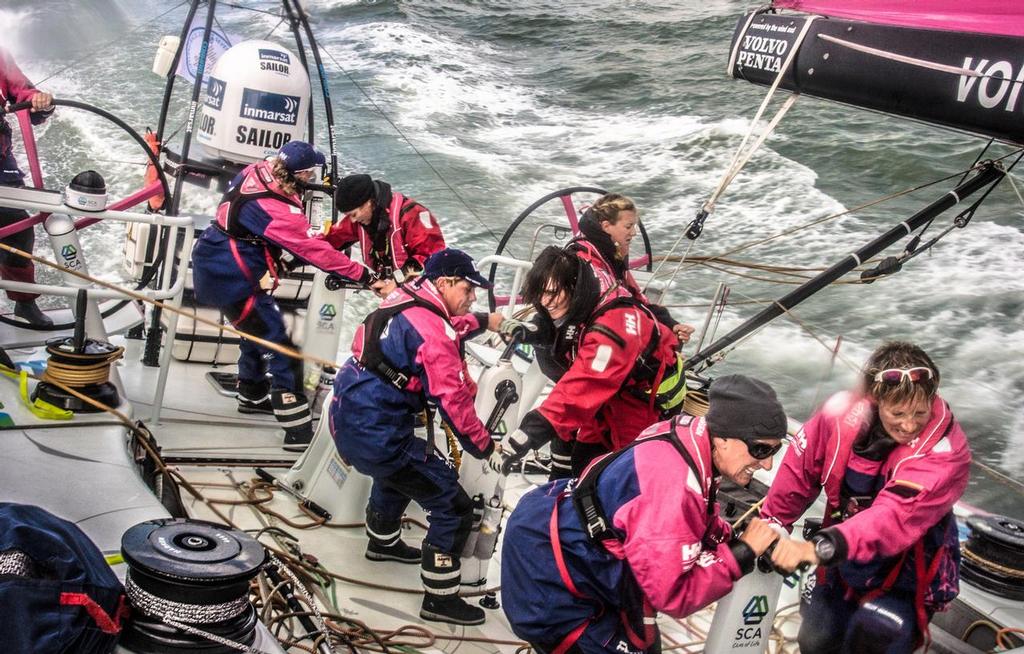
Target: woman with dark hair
[613, 363]
[892, 460]
[606, 231]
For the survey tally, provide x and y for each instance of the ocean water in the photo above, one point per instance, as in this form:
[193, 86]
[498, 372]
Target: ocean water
[477, 109]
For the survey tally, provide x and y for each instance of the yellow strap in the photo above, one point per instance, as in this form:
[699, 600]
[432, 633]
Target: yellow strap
[40, 408]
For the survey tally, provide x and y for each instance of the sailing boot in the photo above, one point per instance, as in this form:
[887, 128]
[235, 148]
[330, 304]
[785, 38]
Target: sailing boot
[441, 573]
[28, 311]
[386, 540]
[292, 413]
[254, 397]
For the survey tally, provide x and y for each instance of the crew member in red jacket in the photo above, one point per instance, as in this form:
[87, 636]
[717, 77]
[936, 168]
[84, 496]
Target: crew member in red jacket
[616, 365]
[892, 461]
[396, 233]
[15, 88]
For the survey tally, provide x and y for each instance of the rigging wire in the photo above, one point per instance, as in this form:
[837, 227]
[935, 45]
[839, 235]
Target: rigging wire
[408, 142]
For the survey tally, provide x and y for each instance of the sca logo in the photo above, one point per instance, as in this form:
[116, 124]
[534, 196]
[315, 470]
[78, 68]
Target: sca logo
[69, 252]
[328, 312]
[755, 610]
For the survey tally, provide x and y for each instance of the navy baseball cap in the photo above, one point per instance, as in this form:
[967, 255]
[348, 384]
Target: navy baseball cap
[454, 263]
[299, 155]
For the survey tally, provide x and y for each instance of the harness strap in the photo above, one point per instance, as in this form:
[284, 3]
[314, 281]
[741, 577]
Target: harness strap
[372, 357]
[563, 571]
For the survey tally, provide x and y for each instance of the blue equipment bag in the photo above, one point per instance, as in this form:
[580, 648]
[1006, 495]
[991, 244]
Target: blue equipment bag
[57, 593]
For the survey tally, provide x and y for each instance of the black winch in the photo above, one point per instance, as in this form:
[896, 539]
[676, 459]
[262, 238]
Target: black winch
[189, 580]
[82, 364]
[993, 555]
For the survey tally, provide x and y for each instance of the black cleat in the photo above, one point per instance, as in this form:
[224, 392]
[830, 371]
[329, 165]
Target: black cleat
[451, 609]
[398, 552]
[28, 311]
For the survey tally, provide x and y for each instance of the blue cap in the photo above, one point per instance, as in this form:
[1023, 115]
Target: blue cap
[299, 155]
[454, 263]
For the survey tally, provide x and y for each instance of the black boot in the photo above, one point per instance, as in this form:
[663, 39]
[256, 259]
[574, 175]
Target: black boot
[30, 313]
[292, 412]
[451, 609]
[254, 397]
[441, 602]
[397, 551]
[385, 534]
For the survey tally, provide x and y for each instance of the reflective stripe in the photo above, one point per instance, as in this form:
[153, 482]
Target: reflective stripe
[387, 539]
[440, 576]
[305, 420]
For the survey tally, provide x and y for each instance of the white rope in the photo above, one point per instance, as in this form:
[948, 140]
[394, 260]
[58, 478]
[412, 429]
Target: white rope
[740, 156]
[1013, 185]
[760, 111]
[913, 61]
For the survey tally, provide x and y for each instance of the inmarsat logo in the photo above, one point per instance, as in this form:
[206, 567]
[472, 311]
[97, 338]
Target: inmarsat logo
[69, 252]
[214, 93]
[755, 610]
[274, 61]
[274, 55]
[269, 107]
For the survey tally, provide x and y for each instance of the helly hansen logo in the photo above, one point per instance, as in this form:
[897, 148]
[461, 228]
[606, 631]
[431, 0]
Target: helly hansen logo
[690, 553]
[631, 324]
[269, 107]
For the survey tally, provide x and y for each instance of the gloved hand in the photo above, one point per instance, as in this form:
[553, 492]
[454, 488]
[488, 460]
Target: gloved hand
[497, 459]
[518, 444]
[368, 277]
[512, 328]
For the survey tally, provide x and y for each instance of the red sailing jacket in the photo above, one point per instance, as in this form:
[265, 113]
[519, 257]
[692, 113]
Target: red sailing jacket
[414, 236]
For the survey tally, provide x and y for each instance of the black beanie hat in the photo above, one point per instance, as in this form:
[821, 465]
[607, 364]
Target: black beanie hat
[353, 191]
[744, 408]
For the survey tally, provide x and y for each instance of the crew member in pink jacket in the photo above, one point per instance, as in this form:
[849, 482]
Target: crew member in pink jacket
[892, 461]
[407, 359]
[586, 563]
[260, 218]
[15, 88]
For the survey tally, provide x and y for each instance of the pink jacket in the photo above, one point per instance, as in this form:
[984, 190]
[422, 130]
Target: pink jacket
[924, 478]
[677, 550]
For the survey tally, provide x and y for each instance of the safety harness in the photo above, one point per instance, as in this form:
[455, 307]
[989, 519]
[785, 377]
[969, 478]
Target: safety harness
[853, 500]
[388, 257]
[667, 382]
[595, 521]
[373, 358]
[236, 197]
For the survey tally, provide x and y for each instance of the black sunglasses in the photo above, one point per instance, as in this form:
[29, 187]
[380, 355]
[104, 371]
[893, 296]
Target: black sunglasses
[762, 450]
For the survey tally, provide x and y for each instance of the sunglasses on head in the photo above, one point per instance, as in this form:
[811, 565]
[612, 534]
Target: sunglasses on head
[762, 450]
[897, 375]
